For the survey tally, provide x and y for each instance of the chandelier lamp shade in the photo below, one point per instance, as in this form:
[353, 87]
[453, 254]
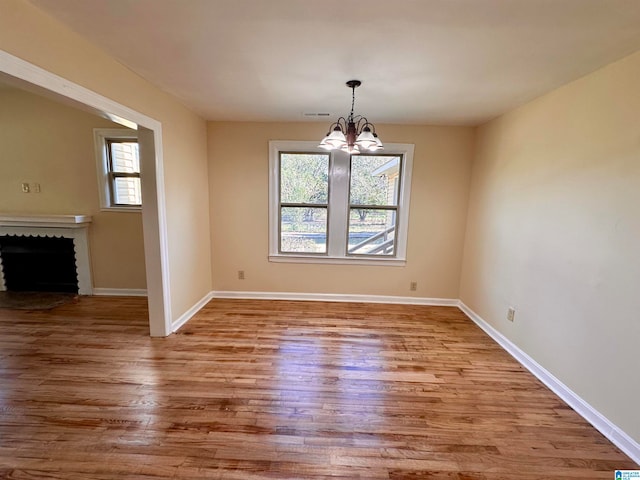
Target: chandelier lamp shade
[353, 134]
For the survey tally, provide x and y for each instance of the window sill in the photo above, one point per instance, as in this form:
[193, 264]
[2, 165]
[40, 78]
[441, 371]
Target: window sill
[378, 262]
[122, 209]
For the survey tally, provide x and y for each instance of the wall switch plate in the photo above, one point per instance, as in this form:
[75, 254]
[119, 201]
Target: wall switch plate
[36, 187]
[511, 314]
[25, 188]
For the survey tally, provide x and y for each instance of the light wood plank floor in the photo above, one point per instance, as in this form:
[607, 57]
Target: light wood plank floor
[270, 390]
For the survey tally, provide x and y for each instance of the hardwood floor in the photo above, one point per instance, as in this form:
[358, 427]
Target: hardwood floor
[271, 390]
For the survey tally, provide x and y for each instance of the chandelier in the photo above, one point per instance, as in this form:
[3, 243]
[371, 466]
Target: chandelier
[353, 134]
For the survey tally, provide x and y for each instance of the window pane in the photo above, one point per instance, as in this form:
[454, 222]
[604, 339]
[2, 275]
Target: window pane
[374, 180]
[304, 178]
[303, 229]
[372, 231]
[124, 157]
[127, 191]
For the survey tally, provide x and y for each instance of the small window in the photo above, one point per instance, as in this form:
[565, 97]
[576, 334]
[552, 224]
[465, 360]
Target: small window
[118, 165]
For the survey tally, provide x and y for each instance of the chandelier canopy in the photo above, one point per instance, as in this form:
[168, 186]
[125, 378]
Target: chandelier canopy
[354, 134]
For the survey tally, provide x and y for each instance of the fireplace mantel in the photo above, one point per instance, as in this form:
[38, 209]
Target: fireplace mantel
[46, 221]
[66, 226]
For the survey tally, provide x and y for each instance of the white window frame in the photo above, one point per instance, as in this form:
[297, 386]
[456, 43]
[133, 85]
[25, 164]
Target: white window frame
[100, 136]
[338, 209]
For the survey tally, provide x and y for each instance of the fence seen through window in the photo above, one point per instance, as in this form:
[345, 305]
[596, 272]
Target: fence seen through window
[305, 206]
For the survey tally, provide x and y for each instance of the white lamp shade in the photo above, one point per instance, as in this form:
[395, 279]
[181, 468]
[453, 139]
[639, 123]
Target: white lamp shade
[324, 144]
[378, 145]
[366, 140]
[335, 139]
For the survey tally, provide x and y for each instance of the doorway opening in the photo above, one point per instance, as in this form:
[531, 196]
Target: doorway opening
[23, 75]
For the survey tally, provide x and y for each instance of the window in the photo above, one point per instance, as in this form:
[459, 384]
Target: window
[338, 208]
[118, 166]
[373, 204]
[304, 197]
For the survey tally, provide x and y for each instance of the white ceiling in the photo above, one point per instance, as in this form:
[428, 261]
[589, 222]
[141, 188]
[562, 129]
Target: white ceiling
[420, 61]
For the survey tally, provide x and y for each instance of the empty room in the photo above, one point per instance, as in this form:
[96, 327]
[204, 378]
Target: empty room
[249, 239]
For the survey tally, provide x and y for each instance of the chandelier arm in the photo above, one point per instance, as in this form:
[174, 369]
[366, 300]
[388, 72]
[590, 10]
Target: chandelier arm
[342, 126]
[371, 126]
[361, 122]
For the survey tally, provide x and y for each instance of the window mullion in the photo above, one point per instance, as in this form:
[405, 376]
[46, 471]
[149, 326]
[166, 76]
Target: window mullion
[338, 204]
[124, 175]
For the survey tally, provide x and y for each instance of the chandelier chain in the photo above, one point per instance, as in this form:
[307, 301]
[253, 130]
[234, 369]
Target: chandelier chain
[353, 100]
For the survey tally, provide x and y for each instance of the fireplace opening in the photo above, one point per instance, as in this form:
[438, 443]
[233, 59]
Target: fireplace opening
[38, 264]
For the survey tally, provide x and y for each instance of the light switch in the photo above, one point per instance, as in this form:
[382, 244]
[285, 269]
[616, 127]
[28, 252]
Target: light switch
[25, 188]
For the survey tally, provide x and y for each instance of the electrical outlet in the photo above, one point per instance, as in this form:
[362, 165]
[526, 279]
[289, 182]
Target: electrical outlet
[413, 286]
[25, 188]
[511, 314]
[240, 274]
[35, 187]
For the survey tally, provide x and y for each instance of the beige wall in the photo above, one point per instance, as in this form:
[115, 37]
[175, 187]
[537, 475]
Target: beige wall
[238, 165]
[554, 230]
[33, 36]
[52, 144]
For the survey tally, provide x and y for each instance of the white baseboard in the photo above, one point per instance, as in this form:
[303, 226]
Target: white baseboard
[618, 437]
[186, 316]
[336, 297]
[120, 292]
